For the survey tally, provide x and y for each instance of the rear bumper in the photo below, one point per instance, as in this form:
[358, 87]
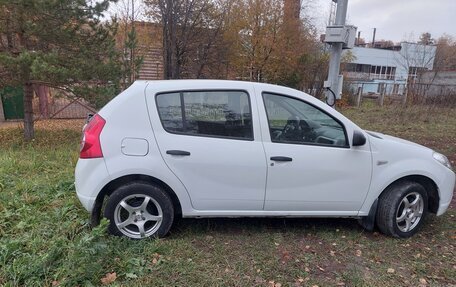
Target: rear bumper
[86, 201]
[91, 175]
[446, 189]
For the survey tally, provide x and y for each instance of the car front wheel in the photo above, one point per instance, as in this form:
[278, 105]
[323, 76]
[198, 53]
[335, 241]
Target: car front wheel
[139, 210]
[402, 209]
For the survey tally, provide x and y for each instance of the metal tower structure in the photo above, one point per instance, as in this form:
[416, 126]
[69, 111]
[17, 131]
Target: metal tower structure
[339, 36]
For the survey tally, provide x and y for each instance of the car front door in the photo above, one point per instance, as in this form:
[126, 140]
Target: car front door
[311, 166]
[210, 140]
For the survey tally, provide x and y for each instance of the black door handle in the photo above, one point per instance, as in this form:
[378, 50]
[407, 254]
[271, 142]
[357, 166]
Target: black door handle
[178, 152]
[281, 158]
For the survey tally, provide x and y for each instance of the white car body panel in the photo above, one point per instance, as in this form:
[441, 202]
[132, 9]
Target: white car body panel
[220, 174]
[234, 178]
[91, 176]
[127, 117]
[395, 158]
[312, 181]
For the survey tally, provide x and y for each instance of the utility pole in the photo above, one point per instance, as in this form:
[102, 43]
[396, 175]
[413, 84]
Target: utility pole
[132, 52]
[338, 36]
[373, 37]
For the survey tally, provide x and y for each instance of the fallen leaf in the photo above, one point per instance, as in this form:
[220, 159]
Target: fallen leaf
[332, 253]
[390, 270]
[259, 280]
[307, 269]
[109, 278]
[423, 281]
[155, 258]
[55, 283]
[300, 280]
[274, 284]
[359, 253]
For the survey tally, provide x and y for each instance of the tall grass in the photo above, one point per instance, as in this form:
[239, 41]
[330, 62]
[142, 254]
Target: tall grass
[45, 237]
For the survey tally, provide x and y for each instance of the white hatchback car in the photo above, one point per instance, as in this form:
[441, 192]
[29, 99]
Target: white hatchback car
[212, 148]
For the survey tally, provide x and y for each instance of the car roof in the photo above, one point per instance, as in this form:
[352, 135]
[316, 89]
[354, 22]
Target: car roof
[227, 83]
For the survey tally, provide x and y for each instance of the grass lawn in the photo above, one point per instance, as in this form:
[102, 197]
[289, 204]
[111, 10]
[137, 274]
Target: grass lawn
[45, 239]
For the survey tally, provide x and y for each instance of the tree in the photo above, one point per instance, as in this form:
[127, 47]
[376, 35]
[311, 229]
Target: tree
[426, 39]
[190, 30]
[416, 59]
[253, 31]
[382, 44]
[445, 57]
[126, 13]
[273, 41]
[58, 43]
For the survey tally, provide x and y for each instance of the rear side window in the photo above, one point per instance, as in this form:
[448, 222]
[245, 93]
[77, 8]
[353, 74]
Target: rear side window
[207, 113]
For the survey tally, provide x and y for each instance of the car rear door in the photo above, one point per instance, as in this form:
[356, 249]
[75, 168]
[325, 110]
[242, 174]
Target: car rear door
[209, 137]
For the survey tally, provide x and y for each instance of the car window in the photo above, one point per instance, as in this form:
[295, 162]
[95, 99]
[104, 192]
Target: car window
[295, 121]
[169, 107]
[207, 113]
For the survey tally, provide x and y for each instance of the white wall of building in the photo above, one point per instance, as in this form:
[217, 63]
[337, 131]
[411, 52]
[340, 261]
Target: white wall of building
[410, 55]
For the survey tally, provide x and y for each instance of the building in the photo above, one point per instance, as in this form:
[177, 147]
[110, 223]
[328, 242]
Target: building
[150, 47]
[437, 84]
[387, 69]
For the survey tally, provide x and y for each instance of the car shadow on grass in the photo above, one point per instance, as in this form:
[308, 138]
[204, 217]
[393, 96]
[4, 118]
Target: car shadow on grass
[325, 227]
[250, 225]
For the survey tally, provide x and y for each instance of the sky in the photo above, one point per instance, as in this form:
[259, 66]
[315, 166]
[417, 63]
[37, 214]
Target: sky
[395, 20]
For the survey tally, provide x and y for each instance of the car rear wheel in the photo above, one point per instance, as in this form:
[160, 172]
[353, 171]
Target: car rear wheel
[402, 209]
[139, 210]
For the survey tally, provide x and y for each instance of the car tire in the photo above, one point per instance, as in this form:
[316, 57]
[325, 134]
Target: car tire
[402, 209]
[139, 210]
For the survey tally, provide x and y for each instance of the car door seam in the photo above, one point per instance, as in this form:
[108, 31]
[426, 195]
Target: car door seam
[262, 144]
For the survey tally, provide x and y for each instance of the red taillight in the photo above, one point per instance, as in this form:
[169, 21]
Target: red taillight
[90, 144]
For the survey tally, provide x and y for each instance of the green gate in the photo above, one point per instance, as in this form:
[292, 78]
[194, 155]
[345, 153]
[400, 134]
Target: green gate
[13, 102]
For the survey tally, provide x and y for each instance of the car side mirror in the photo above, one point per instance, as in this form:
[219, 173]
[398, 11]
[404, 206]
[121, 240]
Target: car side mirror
[358, 138]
